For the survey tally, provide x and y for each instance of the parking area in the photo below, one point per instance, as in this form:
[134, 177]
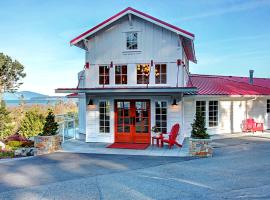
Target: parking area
[240, 169]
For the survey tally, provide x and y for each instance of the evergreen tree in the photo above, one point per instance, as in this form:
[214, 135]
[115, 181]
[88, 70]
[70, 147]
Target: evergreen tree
[198, 127]
[51, 126]
[6, 126]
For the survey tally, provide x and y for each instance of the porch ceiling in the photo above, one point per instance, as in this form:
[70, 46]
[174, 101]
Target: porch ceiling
[160, 91]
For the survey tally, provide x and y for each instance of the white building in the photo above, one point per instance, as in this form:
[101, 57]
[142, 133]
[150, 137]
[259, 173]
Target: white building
[137, 76]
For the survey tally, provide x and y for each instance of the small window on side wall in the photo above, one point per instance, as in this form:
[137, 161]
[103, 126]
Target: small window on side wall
[213, 113]
[132, 40]
[104, 75]
[268, 105]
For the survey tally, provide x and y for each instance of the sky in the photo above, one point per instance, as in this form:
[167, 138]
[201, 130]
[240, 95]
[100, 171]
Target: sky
[231, 36]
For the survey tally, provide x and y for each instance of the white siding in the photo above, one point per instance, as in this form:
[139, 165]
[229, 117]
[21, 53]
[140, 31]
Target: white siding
[155, 43]
[232, 111]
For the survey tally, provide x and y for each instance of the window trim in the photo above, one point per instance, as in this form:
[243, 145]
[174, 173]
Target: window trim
[160, 83]
[107, 102]
[104, 74]
[144, 83]
[167, 107]
[216, 116]
[268, 106]
[207, 113]
[121, 75]
[126, 40]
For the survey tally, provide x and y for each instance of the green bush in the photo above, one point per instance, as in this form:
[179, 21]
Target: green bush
[198, 127]
[6, 154]
[32, 124]
[6, 126]
[50, 126]
[14, 144]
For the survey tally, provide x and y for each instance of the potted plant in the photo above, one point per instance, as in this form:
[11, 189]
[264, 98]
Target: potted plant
[49, 140]
[200, 142]
[156, 131]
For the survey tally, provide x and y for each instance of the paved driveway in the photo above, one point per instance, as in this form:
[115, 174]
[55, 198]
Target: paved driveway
[240, 169]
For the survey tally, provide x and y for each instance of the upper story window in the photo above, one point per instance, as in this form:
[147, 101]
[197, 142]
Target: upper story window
[143, 72]
[121, 74]
[132, 40]
[268, 105]
[213, 113]
[104, 75]
[161, 73]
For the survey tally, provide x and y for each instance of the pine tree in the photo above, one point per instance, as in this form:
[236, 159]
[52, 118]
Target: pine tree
[198, 127]
[51, 126]
[6, 126]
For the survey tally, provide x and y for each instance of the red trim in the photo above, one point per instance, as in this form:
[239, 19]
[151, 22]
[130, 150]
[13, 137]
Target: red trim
[106, 88]
[138, 12]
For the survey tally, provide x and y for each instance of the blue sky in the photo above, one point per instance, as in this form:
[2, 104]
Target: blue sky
[232, 36]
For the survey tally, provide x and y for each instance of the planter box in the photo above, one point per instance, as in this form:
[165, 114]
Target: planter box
[200, 147]
[47, 144]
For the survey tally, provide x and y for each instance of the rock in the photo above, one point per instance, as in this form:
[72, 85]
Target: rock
[47, 144]
[31, 151]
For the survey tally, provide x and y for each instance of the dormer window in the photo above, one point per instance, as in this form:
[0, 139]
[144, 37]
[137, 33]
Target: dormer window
[132, 40]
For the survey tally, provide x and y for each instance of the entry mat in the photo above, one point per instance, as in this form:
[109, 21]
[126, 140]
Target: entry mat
[128, 146]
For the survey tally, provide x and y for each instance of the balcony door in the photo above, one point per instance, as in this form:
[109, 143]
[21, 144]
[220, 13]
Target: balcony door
[132, 121]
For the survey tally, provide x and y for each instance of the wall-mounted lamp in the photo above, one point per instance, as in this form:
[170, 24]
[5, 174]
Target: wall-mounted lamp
[90, 103]
[174, 102]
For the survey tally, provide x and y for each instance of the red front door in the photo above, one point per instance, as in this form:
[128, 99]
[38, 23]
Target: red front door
[132, 121]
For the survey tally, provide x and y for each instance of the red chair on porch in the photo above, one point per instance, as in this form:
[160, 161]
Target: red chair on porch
[249, 125]
[171, 140]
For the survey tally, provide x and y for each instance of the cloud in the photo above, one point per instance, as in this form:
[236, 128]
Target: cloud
[232, 8]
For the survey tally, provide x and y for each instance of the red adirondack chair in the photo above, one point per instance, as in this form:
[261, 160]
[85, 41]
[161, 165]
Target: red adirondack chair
[172, 137]
[249, 125]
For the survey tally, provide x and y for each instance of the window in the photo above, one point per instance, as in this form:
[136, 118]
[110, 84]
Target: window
[268, 105]
[104, 117]
[161, 116]
[161, 73]
[201, 107]
[121, 74]
[132, 40]
[104, 75]
[143, 72]
[213, 113]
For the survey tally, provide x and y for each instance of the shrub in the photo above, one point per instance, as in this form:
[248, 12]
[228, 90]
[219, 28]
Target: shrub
[27, 144]
[15, 137]
[6, 154]
[14, 144]
[51, 126]
[198, 127]
[32, 123]
[6, 126]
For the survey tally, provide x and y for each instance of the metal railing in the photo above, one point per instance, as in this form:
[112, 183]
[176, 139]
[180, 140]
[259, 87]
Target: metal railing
[67, 126]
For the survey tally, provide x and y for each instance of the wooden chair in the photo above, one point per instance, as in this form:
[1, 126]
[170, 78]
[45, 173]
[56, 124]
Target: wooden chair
[249, 125]
[172, 137]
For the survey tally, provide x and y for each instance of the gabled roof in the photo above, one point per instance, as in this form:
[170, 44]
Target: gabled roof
[229, 85]
[186, 36]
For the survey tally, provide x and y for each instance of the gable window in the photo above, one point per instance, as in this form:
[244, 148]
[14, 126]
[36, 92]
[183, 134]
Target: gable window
[121, 74]
[104, 117]
[201, 108]
[161, 73]
[143, 72]
[161, 116]
[104, 75]
[213, 113]
[268, 105]
[132, 40]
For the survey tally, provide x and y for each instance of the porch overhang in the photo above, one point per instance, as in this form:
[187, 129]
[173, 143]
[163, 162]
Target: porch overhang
[143, 91]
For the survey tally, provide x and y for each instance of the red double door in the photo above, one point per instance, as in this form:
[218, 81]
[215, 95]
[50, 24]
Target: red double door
[132, 121]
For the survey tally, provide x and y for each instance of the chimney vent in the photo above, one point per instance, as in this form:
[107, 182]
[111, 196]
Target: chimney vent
[251, 80]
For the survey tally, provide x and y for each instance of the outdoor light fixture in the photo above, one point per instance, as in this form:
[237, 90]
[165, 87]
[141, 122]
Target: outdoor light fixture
[174, 102]
[90, 103]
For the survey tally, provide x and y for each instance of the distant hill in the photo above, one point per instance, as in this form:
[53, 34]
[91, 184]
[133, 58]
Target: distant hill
[27, 95]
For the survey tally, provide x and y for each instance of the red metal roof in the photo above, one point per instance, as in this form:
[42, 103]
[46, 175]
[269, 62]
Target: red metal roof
[229, 85]
[77, 39]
